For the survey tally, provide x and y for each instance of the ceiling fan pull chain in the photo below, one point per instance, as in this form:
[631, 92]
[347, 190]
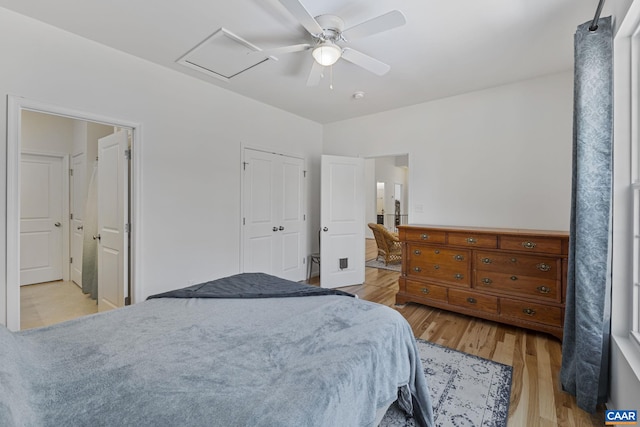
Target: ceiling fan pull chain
[331, 77]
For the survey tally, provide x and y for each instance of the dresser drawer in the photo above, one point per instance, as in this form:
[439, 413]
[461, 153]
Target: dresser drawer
[548, 245]
[525, 265]
[471, 300]
[517, 285]
[446, 273]
[438, 254]
[426, 236]
[428, 291]
[531, 312]
[473, 240]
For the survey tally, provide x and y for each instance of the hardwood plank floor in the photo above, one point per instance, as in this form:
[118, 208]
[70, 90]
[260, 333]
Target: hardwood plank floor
[537, 398]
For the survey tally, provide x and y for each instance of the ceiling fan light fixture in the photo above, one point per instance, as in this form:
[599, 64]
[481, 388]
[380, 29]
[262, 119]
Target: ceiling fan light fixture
[326, 53]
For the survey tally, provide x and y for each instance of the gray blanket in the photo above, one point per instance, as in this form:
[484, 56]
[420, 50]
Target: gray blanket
[321, 361]
[249, 285]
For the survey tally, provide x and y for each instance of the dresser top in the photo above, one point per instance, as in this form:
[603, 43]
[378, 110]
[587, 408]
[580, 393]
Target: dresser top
[488, 230]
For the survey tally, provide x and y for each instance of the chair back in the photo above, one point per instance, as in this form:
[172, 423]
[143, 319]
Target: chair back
[377, 230]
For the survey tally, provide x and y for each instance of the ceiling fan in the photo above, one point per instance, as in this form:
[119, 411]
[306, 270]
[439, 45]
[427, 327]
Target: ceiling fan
[328, 33]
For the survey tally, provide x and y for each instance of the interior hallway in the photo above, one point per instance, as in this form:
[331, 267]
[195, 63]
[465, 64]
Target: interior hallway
[44, 304]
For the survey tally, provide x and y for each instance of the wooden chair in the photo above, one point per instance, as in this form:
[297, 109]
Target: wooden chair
[388, 244]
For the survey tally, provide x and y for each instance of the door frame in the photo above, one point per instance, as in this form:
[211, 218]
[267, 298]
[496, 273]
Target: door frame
[15, 106]
[66, 268]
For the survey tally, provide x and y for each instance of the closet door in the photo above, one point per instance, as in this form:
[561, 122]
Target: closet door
[273, 219]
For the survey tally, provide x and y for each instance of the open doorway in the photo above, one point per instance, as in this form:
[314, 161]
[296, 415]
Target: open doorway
[387, 195]
[46, 142]
[386, 199]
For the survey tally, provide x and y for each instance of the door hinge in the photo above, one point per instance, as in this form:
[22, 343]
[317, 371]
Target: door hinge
[70, 172]
[71, 260]
[304, 174]
[244, 165]
[304, 217]
[70, 216]
[127, 228]
[244, 221]
[127, 154]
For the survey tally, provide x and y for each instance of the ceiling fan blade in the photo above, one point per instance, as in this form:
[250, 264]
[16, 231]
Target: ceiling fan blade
[385, 22]
[298, 10]
[315, 75]
[365, 61]
[283, 49]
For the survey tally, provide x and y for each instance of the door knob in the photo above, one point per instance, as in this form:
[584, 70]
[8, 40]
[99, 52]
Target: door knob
[281, 228]
[275, 228]
[81, 227]
[57, 224]
[325, 229]
[97, 237]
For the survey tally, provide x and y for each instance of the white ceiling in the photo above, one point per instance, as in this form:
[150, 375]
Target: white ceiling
[447, 47]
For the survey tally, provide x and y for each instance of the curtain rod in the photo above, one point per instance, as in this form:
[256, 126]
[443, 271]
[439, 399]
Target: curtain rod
[594, 24]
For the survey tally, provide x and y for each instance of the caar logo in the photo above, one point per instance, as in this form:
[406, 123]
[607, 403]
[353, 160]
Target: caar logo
[614, 418]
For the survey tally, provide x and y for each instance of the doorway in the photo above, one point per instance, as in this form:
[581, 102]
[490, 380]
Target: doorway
[387, 195]
[71, 226]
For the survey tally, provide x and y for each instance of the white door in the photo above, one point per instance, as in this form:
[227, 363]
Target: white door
[41, 221]
[113, 196]
[78, 197]
[273, 218]
[342, 221]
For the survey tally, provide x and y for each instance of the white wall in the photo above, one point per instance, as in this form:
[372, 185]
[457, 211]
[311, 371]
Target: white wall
[500, 157]
[191, 146]
[46, 133]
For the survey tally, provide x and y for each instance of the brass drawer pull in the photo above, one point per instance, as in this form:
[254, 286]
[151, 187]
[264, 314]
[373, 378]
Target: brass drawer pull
[529, 245]
[425, 291]
[458, 257]
[424, 236]
[514, 260]
[458, 276]
[514, 278]
[471, 300]
[543, 289]
[437, 252]
[417, 252]
[436, 266]
[486, 260]
[528, 311]
[487, 281]
[417, 269]
[471, 241]
[543, 266]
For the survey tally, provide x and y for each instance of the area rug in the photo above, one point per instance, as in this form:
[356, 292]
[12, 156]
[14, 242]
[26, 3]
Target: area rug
[374, 263]
[465, 390]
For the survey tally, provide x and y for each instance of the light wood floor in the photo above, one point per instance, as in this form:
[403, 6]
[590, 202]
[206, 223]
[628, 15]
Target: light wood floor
[536, 395]
[45, 304]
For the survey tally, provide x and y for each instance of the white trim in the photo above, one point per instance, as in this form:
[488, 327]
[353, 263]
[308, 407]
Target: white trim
[15, 106]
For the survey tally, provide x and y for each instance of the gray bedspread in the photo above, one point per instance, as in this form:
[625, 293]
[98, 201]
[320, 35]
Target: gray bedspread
[320, 361]
[249, 285]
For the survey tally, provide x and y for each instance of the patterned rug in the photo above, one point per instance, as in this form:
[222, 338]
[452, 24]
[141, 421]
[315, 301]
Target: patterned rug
[374, 263]
[465, 390]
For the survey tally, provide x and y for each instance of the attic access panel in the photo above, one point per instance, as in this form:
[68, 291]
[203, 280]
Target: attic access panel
[223, 55]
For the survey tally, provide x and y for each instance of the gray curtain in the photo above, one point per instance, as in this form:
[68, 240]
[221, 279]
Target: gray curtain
[585, 347]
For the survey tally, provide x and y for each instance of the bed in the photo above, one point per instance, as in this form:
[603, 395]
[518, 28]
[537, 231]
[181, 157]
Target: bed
[247, 350]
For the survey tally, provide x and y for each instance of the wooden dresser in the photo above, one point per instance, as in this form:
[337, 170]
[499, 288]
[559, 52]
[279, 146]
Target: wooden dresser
[506, 275]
